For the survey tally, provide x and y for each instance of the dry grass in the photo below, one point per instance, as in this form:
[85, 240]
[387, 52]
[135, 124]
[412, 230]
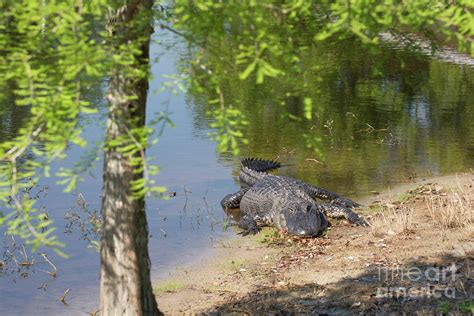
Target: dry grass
[396, 219]
[450, 208]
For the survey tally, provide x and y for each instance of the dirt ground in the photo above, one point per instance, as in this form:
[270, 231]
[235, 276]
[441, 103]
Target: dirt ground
[416, 257]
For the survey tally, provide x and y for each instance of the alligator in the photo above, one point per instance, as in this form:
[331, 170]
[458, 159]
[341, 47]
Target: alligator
[289, 204]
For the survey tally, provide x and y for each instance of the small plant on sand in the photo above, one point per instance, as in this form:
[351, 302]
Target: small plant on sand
[444, 307]
[232, 264]
[169, 287]
[466, 307]
[375, 208]
[268, 235]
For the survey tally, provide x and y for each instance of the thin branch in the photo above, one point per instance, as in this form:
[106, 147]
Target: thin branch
[63, 297]
[221, 99]
[27, 222]
[194, 41]
[16, 151]
[49, 261]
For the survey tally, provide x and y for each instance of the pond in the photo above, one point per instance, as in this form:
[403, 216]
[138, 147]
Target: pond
[382, 117]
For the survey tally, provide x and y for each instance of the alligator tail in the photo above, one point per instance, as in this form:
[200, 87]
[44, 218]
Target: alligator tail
[253, 169]
[259, 165]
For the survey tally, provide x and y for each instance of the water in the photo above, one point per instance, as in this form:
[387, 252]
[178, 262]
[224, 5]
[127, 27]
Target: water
[383, 116]
[181, 232]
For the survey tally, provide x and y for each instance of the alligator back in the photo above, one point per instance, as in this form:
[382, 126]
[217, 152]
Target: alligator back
[282, 202]
[270, 193]
[253, 169]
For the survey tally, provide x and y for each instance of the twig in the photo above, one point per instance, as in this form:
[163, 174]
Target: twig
[314, 160]
[163, 232]
[21, 150]
[27, 222]
[25, 255]
[81, 201]
[49, 261]
[192, 40]
[63, 297]
[221, 100]
[185, 206]
[44, 286]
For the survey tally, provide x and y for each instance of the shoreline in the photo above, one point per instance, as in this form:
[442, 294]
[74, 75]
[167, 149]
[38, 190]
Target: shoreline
[260, 273]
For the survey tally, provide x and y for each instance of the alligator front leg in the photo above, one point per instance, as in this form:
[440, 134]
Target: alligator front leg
[249, 225]
[233, 200]
[323, 194]
[337, 211]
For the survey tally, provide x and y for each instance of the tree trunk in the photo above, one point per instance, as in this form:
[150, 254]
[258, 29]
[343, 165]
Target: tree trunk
[125, 285]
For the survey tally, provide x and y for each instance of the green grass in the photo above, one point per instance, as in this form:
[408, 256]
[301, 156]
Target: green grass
[463, 306]
[168, 287]
[267, 235]
[410, 194]
[403, 197]
[324, 233]
[375, 208]
[466, 307]
[210, 289]
[232, 265]
[444, 307]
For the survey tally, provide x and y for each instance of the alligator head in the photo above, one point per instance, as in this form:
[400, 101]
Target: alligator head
[302, 218]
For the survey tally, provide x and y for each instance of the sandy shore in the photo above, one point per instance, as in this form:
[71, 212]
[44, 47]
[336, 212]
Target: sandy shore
[417, 256]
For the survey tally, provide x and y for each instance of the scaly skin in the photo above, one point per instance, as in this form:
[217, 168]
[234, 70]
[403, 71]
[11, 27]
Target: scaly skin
[287, 203]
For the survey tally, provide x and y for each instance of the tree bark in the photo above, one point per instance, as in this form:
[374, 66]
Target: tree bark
[125, 285]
